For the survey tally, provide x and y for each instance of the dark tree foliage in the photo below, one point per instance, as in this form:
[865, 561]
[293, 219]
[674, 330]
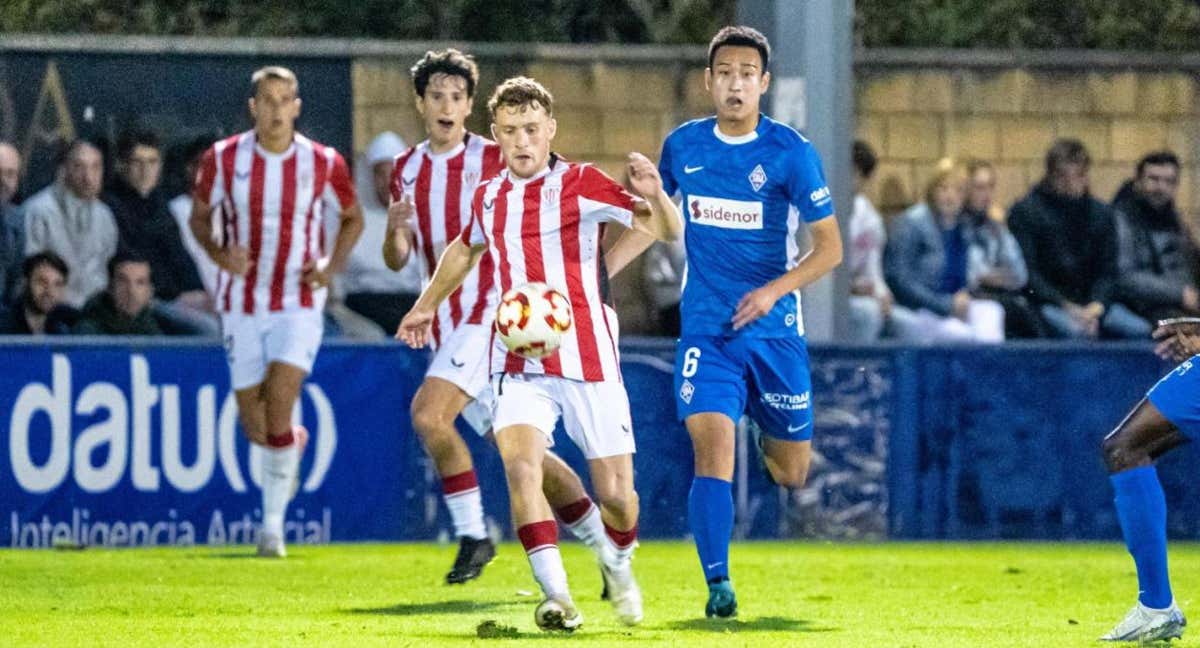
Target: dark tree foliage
[1164, 25]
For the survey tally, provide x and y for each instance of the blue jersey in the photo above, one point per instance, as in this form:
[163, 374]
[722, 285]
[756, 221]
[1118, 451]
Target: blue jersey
[743, 199]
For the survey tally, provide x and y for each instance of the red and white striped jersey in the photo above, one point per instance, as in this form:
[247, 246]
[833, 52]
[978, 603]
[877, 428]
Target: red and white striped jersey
[273, 204]
[549, 229]
[441, 186]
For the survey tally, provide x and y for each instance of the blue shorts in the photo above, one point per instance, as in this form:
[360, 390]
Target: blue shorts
[766, 378]
[1177, 396]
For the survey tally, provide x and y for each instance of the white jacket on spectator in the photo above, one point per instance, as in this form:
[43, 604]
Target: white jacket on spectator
[82, 232]
[181, 210]
[365, 270]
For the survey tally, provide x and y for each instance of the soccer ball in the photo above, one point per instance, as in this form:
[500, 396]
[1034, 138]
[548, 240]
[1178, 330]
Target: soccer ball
[532, 320]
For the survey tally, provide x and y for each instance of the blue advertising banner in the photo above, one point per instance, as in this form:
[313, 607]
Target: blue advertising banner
[119, 444]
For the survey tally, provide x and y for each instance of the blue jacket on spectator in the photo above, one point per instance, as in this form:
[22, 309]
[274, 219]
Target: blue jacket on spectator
[914, 261]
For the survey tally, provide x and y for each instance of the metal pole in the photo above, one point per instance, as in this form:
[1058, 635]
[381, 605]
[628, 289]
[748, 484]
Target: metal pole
[812, 90]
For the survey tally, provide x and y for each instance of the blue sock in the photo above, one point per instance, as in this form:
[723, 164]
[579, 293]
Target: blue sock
[710, 514]
[1142, 511]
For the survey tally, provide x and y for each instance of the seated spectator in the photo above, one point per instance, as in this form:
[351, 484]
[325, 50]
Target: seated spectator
[995, 266]
[181, 209]
[68, 219]
[40, 309]
[124, 308]
[1070, 247]
[1156, 260]
[12, 223]
[146, 229]
[368, 286]
[872, 307]
[926, 265]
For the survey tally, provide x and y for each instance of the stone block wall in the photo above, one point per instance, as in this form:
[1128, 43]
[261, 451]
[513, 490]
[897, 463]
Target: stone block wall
[912, 114]
[1011, 116]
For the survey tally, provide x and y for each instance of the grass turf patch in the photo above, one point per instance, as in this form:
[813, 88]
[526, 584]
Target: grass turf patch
[812, 594]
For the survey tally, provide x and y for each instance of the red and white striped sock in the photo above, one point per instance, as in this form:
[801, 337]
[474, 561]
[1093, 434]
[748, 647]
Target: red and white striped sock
[540, 540]
[582, 517]
[461, 493]
[623, 542]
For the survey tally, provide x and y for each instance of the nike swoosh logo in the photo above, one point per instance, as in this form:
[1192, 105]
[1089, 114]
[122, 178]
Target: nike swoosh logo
[456, 363]
[689, 170]
[798, 427]
[716, 564]
[408, 181]
[488, 205]
[242, 175]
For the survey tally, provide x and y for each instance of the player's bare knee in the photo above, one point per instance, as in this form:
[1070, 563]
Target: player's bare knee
[621, 506]
[521, 471]
[791, 476]
[428, 421]
[1119, 455]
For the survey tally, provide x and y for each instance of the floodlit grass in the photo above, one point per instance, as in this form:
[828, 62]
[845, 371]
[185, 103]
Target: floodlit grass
[791, 594]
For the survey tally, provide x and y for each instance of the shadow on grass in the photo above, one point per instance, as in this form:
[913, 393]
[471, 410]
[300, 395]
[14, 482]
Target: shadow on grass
[757, 624]
[435, 607]
[234, 555]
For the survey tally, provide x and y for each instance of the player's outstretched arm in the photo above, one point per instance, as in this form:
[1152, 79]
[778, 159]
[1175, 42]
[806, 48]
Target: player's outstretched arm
[630, 244]
[457, 260]
[657, 216]
[826, 254]
[398, 242]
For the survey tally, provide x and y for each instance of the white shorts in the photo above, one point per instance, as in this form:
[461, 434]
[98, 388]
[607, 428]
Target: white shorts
[254, 341]
[595, 414]
[462, 359]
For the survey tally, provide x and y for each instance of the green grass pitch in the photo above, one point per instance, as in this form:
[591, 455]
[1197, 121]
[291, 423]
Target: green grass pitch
[791, 594]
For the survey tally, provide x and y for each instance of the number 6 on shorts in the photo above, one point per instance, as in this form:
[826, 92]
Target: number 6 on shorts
[691, 361]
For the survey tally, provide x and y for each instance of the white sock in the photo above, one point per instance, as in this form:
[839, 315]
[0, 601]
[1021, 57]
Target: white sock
[589, 529]
[548, 570]
[279, 471]
[466, 512]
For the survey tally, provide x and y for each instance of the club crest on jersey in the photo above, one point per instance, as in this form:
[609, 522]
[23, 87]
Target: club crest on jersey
[471, 178]
[758, 177]
[550, 195]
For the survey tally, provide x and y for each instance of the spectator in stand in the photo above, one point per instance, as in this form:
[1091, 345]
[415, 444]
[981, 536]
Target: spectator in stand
[1156, 259]
[125, 307]
[926, 265]
[12, 223]
[147, 230]
[69, 219]
[40, 309]
[181, 209]
[368, 286]
[1070, 247]
[872, 307]
[995, 266]
[664, 270]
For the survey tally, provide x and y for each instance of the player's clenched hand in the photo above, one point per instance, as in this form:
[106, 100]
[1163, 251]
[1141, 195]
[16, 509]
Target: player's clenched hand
[754, 305]
[235, 260]
[400, 213]
[316, 273]
[643, 176]
[414, 328]
[1176, 343]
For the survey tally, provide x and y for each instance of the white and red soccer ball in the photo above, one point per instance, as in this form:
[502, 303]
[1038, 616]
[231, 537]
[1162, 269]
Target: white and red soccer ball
[532, 319]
